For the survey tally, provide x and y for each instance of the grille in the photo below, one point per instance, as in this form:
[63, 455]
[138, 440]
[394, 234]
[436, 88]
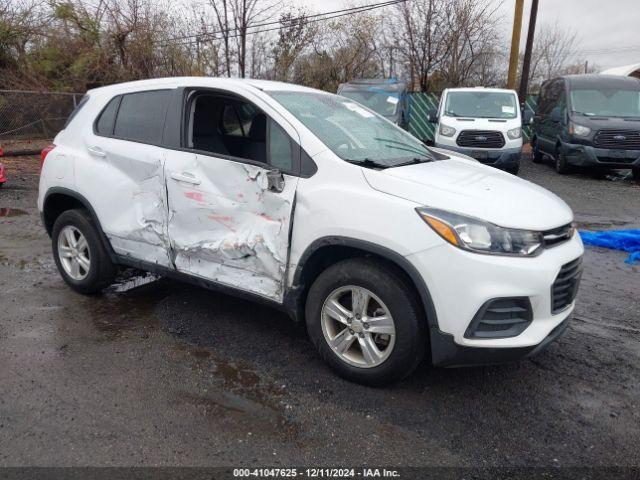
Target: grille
[501, 318]
[565, 288]
[618, 139]
[480, 139]
[558, 235]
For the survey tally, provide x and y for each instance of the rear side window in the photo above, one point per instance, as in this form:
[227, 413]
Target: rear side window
[106, 121]
[141, 116]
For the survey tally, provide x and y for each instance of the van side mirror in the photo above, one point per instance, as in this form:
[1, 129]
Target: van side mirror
[432, 116]
[527, 117]
[556, 115]
[275, 181]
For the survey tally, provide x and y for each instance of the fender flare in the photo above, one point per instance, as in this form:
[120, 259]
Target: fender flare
[384, 252]
[85, 203]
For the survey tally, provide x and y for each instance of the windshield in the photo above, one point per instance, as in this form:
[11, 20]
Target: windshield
[606, 102]
[481, 104]
[377, 99]
[351, 131]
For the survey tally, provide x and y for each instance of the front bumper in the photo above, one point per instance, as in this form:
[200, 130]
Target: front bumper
[504, 159]
[461, 282]
[588, 156]
[446, 352]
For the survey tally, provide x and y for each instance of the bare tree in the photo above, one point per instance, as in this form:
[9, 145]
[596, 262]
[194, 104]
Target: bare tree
[419, 35]
[552, 50]
[294, 36]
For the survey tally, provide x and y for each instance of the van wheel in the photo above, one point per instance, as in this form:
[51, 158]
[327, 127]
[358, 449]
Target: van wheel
[635, 172]
[79, 253]
[365, 322]
[536, 154]
[561, 164]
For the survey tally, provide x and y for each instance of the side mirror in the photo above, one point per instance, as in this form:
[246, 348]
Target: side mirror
[527, 117]
[275, 181]
[556, 115]
[432, 116]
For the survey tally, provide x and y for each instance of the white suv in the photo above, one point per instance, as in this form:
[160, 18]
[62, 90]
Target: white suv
[312, 203]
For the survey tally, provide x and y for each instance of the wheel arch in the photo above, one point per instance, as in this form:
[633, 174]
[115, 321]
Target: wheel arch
[58, 200]
[326, 251]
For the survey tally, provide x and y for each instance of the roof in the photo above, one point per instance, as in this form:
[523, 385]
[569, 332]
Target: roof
[480, 89]
[213, 82]
[623, 70]
[597, 79]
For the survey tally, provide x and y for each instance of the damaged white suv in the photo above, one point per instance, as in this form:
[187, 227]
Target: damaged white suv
[309, 201]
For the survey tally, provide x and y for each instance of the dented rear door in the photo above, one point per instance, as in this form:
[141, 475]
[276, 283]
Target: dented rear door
[226, 225]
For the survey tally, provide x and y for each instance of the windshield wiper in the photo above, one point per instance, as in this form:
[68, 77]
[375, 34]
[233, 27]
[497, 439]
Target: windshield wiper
[413, 161]
[367, 162]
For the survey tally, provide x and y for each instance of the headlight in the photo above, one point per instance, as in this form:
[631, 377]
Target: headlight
[578, 130]
[479, 236]
[447, 131]
[514, 133]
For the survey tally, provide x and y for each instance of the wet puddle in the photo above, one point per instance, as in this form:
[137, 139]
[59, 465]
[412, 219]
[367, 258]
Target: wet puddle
[12, 212]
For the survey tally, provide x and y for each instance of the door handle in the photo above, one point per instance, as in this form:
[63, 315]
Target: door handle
[185, 177]
[97, 152]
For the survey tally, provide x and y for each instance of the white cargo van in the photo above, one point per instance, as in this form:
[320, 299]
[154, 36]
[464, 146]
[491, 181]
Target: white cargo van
[483, 123]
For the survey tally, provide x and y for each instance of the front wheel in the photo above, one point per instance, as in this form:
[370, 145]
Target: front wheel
[365, 322]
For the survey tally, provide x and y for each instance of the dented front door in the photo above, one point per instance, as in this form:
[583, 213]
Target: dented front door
[226, 224]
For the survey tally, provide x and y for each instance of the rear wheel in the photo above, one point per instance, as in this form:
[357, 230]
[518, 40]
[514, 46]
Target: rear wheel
[536, 154]
[562, 167]
[365, 322]
[80, 255]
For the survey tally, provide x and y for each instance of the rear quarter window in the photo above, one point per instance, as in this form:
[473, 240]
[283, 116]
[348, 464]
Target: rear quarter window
[106, 120]
[141, 116]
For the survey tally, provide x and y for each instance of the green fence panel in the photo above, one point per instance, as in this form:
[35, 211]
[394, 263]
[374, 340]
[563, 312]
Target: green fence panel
[420, 104]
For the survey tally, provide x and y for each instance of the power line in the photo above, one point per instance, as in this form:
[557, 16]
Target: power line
[318, 17]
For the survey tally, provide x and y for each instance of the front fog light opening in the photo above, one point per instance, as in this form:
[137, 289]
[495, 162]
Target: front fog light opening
[501, 318]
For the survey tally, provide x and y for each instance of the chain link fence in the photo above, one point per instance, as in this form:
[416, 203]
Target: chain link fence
[26, 115]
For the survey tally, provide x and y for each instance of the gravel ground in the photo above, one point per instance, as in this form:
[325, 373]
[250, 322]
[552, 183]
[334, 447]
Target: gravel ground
[157, 373]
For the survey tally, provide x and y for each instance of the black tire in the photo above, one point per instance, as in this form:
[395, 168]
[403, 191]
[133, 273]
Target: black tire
[102, 271]
[599, 173]
[635, 172]
[561, 165]
[397, 294]
[536, 154]
[514, 170]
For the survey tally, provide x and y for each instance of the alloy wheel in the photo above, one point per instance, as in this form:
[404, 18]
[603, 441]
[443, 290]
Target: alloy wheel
[74, 254]
[358, 326]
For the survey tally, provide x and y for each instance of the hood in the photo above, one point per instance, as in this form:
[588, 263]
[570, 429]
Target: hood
[470, 188]
[613, 123]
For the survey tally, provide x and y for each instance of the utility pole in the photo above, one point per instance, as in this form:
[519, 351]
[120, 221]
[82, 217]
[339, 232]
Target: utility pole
[526, 62]
[515, 45]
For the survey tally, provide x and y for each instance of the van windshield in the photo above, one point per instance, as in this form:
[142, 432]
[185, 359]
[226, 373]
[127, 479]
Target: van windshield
[377, 99]
[481, 104]
[353, 132]
[604, 102]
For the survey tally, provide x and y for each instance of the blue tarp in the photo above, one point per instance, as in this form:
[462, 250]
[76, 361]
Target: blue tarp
[625, 240]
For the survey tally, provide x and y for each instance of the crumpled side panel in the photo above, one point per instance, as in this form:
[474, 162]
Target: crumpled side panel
[231, 229]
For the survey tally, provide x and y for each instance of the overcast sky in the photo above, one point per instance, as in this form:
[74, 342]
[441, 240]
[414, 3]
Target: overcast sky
[608, 30]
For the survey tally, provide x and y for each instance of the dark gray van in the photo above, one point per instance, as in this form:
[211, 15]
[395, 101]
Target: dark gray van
[588, 121]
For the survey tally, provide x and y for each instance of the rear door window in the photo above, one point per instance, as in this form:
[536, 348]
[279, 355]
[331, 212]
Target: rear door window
[141, 116]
